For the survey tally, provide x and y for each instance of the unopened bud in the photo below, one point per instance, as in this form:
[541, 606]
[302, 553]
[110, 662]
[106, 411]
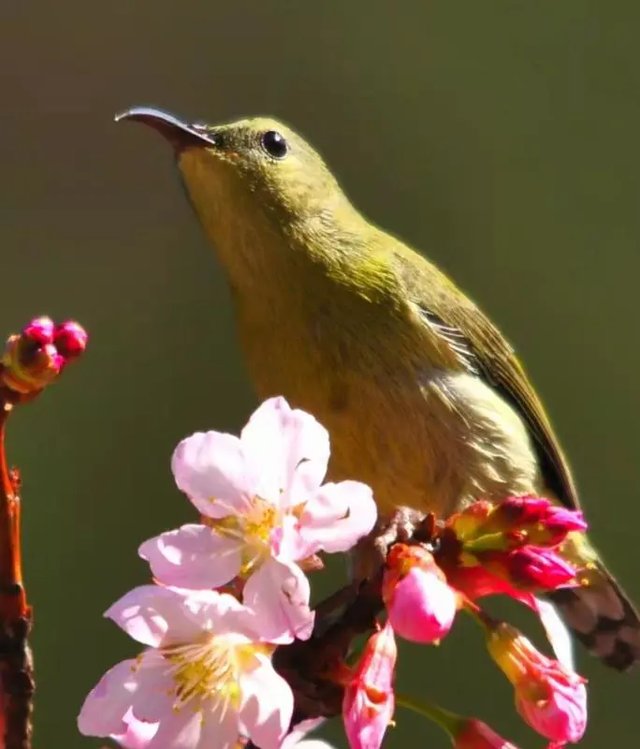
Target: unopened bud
[70, 339]
[533, 568]
[420, 604]
[551, 698]
[28, 366]
[369, 700]
[40, 330]
[35, 357]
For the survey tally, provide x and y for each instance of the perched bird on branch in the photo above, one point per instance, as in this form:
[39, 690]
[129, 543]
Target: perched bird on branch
[423, 397]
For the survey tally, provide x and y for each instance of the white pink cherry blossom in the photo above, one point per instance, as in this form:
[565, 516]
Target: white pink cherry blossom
[264, 509]
[204, 681]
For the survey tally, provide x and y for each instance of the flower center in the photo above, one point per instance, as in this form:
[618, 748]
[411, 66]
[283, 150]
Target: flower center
[259, 522]
[207, 670]
[253, 527]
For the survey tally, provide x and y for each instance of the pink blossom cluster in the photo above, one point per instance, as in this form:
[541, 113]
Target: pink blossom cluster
[478, 552]
[36, 356]
[231, 588]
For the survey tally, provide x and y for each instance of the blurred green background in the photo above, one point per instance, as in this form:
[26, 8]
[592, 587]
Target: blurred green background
[500, 137]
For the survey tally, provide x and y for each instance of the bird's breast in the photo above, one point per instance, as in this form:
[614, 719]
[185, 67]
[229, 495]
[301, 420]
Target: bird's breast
[419, 435]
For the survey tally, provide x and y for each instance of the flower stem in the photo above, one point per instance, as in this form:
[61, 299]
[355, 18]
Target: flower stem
[16, 666]
[447, 720]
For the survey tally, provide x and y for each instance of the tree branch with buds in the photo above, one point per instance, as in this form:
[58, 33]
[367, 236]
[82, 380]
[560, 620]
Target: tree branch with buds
[31, 360]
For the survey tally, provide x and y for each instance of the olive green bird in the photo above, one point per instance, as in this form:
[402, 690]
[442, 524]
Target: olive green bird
[423, 397]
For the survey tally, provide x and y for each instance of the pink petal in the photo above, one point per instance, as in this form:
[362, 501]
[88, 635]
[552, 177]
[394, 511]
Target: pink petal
[180, 729]
[369, 701]
[279, 594]
[150, 614]
[153, 698]
[193, 556]
[222, 613]
[138, 734]
[104, 708]
[288, 449]
[299, 731]
[561, 718]
[266, 705]
[220, 729]
[210, 468]
[314, 744]
[336, 517]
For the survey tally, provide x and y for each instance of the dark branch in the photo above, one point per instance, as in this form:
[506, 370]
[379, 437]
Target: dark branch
[16, 665]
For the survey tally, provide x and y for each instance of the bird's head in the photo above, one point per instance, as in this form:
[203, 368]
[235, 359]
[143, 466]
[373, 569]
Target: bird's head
[255, 164]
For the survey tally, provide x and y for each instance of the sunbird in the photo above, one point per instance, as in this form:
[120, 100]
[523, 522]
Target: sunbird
[424, 399]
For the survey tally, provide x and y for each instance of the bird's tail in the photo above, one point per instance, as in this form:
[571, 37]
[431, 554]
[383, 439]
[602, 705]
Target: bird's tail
[601, 616]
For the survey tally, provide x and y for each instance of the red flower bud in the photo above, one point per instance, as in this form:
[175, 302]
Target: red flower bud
[474, 734]
[40, 330]
[513, 523]
[551, 698]
[34, 358]
[369, 701]
[70, 339]
[420, 604]
[536, 568]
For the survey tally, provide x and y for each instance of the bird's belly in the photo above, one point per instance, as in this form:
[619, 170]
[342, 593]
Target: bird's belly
[421, 436]
[432, 442]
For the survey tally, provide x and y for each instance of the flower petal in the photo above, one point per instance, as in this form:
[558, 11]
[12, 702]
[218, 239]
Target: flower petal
[297, 734]
[336, 517]
[266, 705]
[180, 729]
[151, 614]
[193, 556]
[279, 594]
[153, 698]
[221, 613]
[138, 734]
[220, 729]
[369, 701]
[104, 708]
[210, 468]
[557, 633]
[288, 449]
[562, 717]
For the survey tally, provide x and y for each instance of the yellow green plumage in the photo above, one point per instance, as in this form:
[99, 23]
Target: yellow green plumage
[423, 397]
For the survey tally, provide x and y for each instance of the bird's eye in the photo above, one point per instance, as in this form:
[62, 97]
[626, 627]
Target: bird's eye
[274, 144]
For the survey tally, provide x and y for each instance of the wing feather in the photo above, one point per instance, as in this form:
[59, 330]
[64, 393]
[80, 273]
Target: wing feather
[481, 349]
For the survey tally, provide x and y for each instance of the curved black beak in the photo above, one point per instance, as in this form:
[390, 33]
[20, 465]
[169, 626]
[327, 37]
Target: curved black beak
[180, 134]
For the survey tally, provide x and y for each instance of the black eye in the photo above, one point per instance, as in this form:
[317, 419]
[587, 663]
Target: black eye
[274, 144]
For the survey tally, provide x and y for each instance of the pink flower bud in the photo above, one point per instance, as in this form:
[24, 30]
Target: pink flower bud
[420, 604]
[538, 568]
[70, 339]
[474, 734]
[540, 521]
[513, 523]
[34, 358]
[551, 698]
[369, 702]
[40, 330]
[28, 366]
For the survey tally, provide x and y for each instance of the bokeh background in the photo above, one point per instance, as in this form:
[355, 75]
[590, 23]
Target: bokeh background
[501, 137]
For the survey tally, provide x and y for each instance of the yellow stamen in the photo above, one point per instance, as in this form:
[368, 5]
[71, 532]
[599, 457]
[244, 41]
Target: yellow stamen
[208, 670]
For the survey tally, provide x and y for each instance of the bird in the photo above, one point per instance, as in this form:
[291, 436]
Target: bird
[423, 397]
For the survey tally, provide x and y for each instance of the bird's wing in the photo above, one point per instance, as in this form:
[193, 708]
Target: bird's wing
[480, 348]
